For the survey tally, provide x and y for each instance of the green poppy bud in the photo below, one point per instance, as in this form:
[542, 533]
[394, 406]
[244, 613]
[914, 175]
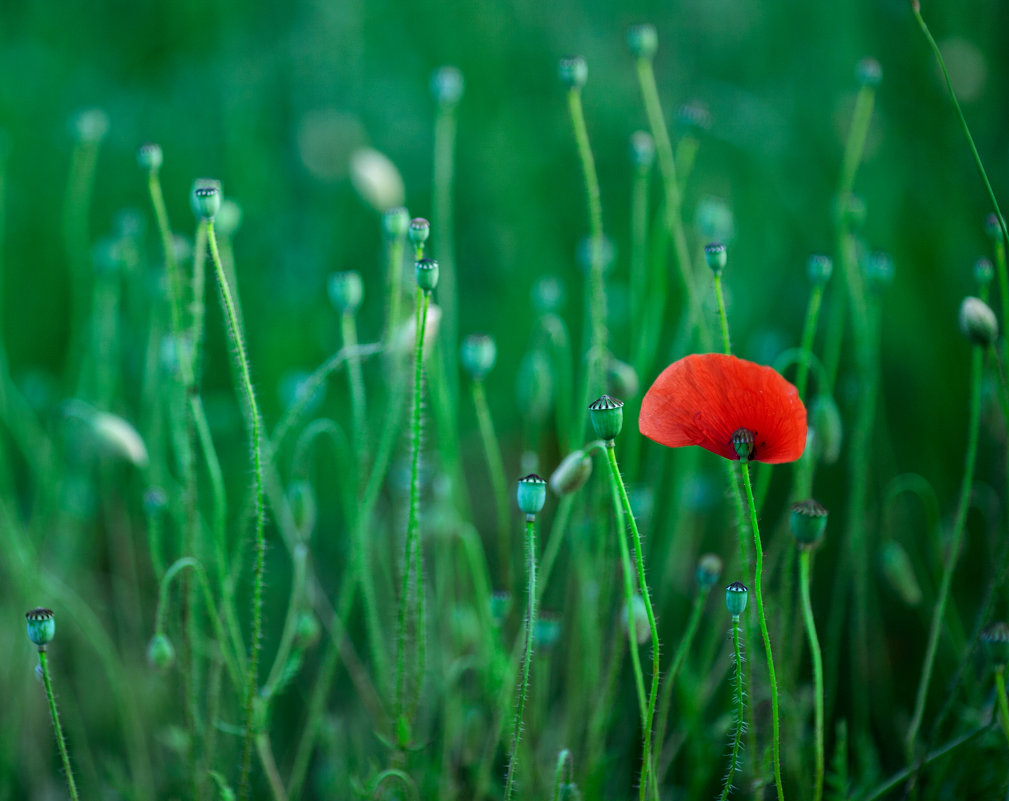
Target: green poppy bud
[868, 72]
[419, 231]
[984, 271]
[307, 629]
[879, 270]
[478, 355]
[819, 269]
[206, 198]
[694, 117]
[427, 274]
[638, 618]
[346, 291]
[395, 223]
[977, 322]
[716, 257]
[995, 641]
[735, 598]
[709, 568]
[643, 40]
[572, 473]
[90, 125]
[532, 495]
[447, 86]
[149, 157]
[993, 227]
[41, 624]
[809, 521]
[607, 416]
[160, 653]
[573, 72]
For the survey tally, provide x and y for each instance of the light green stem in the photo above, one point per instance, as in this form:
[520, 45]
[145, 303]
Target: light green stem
[805, 568]
[632, 639]
[358, 403]
[60, 740]
[806, 344]
[495, 466]
[758, 595]
[564, 767]
[956, 541]
[1000, 699]
[737, 737]
[723, 319]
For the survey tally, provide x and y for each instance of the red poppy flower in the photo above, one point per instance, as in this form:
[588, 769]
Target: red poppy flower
[705, 398]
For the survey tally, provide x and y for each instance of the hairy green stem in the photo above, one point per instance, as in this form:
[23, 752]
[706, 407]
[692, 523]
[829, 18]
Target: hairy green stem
[632, 638]
[60, 740]
[805, 568]
[737, 736]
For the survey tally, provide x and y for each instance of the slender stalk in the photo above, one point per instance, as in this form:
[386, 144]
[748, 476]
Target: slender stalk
[759, 597]
[394, 285]
[806, 343]
[411, 558]
[723, 319]
[443, 223]
[628, 573]
[805, 568]
[594, 369]
[646, 760]
[253, 422]
[1001, 700]
[565, 768]
[60, 740]
[737, 737]
[495, 466]
[358, 402]
[956, 541]
[526, 654]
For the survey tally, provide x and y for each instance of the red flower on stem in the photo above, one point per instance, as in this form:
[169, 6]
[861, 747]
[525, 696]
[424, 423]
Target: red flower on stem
[705, 399]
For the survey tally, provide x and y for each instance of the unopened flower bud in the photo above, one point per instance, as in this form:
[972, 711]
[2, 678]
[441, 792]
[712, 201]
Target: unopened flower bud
[160, 652]
[868, 72]
[531, 495]
[573, 72]
[376, 179]
[607, 416]
[977, 322]
[643, 40]
[427, 274]
[735, 598]
[572, 473]
[808, 521]
[478, 355]
[41, 624]
[306, 629]
[993, 227]
[716, 257]
[229, 218]
[638, 618]
[709, 569]
[819, 269]
[149, 156]
[447, 85]
[346, 291]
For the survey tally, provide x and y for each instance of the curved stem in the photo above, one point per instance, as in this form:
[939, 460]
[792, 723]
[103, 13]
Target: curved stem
[738, 736]
[805, 568]
[60, 740]
[759, 598]
[565, 767]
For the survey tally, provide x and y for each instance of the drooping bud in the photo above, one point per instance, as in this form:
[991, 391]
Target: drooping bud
[478, 354]
[41, 624]
[149, 156]
[427, 274]
[573, 72]
[879, 271]
[977, 322]
[709, 569]
[716, 257]
[735, 598]
[819, 269]
[643, 40]
[607, 416]
[572, 473]
[808, 521]
[531, 495]
[346, 291]
[160, 653]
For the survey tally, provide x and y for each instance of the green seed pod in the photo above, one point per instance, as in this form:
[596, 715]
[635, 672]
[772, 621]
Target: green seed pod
[395, 223]
[573, 72]
[868, 72]
[419, 231]
[984, 271]
[572, 473]
[206, 198]
[825, 420]
[643, 40]
[500, 606]
[735, 598]
[639, 618]
[709, 569]
[899, 572]
[621, 379]
[90, 125]
[532, 494]
[41, 625]
[742, 442]
[992, 227]
[160, 653]
[819, 269]
[808, 521]
[306, 629]
[995, 641]
[694, 117]
[642, 150]
[607, 416]
[447, 86]
[427, 274]
[977, 322]
[879, 270]
[716, 257]
[478, 355]
[346, 291]
[149, 156]
[546, 630]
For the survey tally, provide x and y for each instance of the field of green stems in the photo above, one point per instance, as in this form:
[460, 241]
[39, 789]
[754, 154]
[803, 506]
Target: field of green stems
[508, 400]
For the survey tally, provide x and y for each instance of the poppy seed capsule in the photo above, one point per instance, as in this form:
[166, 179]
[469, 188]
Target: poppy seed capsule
[995, 640]
[819, 269]
[531, 495]
[716, 257]
[879, 270]
[41, 624]
[419, 230]
[977, 322]
[572, 473]
[478, 355]
[206, 198]
[868, 72]
[160, 652]
[149, 156]
[808, 521]
[427, 274]
[742, 442]
[735, 598]
[607, 416]
[983, 272]
[346, 291]
[395, 223]
[573, 72]
[447, 85]
[993, 227]
[643, 40]
[709, 568]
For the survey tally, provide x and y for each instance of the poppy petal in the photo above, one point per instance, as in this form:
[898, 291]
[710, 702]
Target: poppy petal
[703, 399]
